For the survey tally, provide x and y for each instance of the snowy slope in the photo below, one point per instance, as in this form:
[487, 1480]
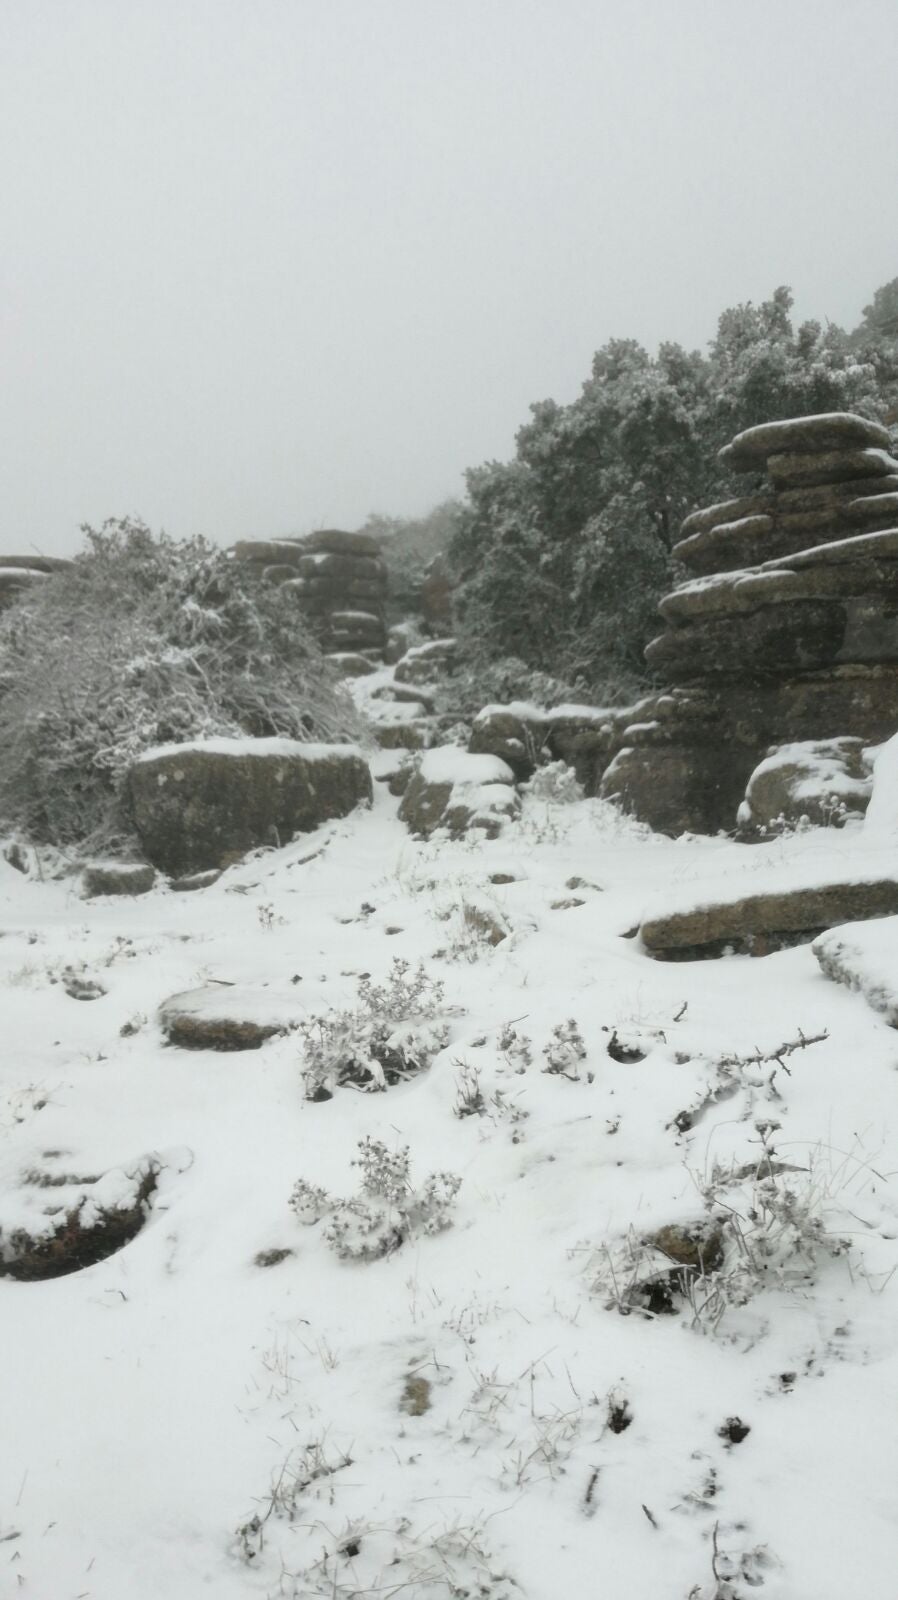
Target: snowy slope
[158, 1402]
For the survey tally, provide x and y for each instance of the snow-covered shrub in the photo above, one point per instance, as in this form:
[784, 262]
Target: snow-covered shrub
[143, 641]
[769, 1229]
[393, 1032]
[555, 784]
[565, 1050]
[387, 1209]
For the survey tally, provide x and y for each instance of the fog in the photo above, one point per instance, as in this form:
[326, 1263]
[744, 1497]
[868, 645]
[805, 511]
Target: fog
[269, 265]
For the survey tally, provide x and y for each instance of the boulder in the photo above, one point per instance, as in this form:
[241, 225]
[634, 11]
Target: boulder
[400, 639]
[816, 435]
[228, 1017]
[822, 781]
[456, 790]
[515, 733]
[760, 923]
[205, 804]
[117, 877]
[268, 552]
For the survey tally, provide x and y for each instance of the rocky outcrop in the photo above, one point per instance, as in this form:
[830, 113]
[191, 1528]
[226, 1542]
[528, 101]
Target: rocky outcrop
[798, 645]
[862, 957]
[337, 578]
[203, 805]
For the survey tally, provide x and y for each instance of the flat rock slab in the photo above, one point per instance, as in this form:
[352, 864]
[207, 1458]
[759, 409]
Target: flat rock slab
[864, 957]
[760, 923]
[228, 1017]
[830, 430]
[204, 805]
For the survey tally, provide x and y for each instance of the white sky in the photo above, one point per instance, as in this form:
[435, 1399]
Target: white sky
[268, 265]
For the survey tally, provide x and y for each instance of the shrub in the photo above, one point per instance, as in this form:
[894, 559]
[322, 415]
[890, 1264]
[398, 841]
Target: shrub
[386, 1211]
[145, 640]
[393, 1032]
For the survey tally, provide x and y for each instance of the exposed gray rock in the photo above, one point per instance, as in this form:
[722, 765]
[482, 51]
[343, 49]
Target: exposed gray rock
[227, 1017]
[203, 805]
[761, 923]
[792, 471]
[117, 877]
[455, 790]
[425, 662]
[817, 435]
[823, 780]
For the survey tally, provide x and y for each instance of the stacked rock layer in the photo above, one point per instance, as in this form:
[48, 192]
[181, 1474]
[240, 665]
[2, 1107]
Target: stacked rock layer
[20, 572]
[338, 579]
[788, 631]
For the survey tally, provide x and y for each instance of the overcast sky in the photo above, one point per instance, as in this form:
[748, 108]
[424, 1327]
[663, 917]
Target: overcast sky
[268, 265]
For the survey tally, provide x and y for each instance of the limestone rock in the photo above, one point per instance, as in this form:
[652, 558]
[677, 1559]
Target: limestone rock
[817, 435]
[205, 804]
[227, 1017]
[762, 922]
[727, 511]
[791, 636]
[117, 877]
[91, 1218]
[792, 470]
[514, 733]
[425, 662]
[823, 780]
[455, 790]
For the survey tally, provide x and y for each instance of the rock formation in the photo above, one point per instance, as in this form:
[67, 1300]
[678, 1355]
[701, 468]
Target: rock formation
[787, 632]
[339, 580]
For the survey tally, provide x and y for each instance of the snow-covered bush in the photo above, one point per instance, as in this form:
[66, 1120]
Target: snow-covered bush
[387, 1209]
[393, 1032]
[565, 1050]
[145, 640]
[555, 784]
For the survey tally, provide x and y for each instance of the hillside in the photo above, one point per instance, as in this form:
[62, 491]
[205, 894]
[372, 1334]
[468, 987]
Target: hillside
[534, 1400]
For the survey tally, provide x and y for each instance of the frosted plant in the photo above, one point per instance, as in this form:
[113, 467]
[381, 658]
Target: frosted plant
[387, 1210]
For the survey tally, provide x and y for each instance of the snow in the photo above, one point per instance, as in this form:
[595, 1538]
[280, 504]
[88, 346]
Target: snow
[156, 1402]
[252, 747]
[881, 820]
[864, 956]
[449, 764]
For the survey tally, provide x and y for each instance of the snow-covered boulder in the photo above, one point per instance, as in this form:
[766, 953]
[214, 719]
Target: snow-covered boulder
[823, 781]
[455, 790]
[205, 804]
[228, 1017]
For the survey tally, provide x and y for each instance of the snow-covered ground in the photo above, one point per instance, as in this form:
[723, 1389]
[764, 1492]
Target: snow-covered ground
[474, 1414]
